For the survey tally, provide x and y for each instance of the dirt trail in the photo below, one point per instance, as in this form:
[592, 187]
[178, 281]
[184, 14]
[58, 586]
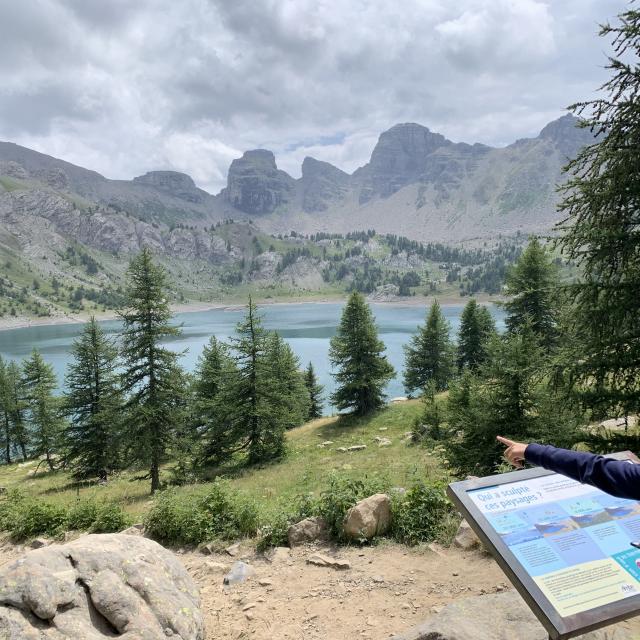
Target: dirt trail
[388, 589]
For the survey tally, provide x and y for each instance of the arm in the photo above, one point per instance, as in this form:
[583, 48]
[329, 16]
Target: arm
[617, 477]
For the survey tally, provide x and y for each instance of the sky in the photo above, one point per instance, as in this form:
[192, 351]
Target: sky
[128, 86]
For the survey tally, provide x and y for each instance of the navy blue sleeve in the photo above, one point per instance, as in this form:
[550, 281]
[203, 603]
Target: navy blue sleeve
[617, 477]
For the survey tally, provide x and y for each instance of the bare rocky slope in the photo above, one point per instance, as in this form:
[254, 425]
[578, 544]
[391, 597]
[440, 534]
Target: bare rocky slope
[417, 184]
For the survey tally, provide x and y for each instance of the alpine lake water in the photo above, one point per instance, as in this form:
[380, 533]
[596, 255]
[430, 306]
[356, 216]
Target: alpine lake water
[307, 327]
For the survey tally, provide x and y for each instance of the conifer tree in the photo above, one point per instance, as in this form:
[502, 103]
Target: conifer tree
[249, 420]
[602, 235]
[429, 357]
[5, 415]
[16, 406]
[357, 352]
[288, 393]
[532, 285]
[93, 404]
[43, 407]
[476, 330]
[315, 390]
[152, 379]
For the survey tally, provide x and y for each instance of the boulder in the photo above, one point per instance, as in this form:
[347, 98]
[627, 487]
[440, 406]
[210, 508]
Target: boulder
[495, 616]
[465, 537]
[369, 517]
[99, 586]
[307, 530]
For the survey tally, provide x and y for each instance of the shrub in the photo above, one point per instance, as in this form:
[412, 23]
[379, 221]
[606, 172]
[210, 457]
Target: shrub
[341, 494]
[82, 515]
[221, 513]
[31, 517]
[110, 518]
[423, 514]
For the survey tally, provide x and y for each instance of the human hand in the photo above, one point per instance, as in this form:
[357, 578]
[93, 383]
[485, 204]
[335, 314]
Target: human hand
[514, 452]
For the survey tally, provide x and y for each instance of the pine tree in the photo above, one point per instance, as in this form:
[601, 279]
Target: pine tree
[476, 330]
[5, 414]
[431, 423]
[532, 285]
[93, 404]
[16, 406]
[315, 390]
[152, 378]
[602, 235]
[429, 357]
[356, 351]
[43, 407]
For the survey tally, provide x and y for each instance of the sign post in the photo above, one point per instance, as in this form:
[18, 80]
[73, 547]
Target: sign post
[565, 546]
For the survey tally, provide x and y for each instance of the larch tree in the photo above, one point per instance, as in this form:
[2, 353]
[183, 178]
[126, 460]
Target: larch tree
[532, 287]
[601, 233]
[476, 330]
[152, 379]
[43, 408]
[315, 390]
[430, 354]
[356, 351]
[93, 403]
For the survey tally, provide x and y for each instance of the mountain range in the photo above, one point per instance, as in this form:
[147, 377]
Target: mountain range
[417, 184]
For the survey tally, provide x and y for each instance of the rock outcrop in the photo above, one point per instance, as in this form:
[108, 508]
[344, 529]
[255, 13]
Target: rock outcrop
[174, 183]
[96, 587]
[493, 617]
[255, 185]
[368, 518]
[322, 184]
[307, 530]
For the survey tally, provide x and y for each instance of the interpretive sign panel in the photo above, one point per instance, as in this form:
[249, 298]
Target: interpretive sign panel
[567, 547]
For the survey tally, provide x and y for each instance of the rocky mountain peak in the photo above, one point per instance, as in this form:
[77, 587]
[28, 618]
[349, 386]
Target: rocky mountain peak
[321, 183]
[399, 157]
[567, 135]
[255, 185]
[173, 183]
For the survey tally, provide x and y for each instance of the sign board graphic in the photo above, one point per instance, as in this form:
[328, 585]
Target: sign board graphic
[565, 546]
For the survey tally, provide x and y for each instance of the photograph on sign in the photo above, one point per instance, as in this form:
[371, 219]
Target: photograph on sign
[572, 539]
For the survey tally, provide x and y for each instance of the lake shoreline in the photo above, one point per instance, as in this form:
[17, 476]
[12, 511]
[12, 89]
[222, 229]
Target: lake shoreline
[25, 322]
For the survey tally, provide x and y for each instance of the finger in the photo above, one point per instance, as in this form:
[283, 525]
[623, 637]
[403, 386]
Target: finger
[505, 441]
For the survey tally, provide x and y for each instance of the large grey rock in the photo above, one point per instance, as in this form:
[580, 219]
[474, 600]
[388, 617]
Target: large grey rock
[499, 616]
[369, 517]
[307, 530]
[96, 587]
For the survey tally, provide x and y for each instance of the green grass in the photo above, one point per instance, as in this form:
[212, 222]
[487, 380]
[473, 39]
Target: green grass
[12, 184]
[306, 468]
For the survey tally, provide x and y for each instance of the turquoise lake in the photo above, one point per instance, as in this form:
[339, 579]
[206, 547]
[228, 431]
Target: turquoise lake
[306, 327]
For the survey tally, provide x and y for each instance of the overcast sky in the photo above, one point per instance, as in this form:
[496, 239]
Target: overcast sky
[127, 86]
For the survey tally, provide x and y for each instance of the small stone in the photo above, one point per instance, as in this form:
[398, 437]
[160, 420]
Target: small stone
[249, 615]
[321, 560]
[357, 447]
[233, 550]
[265, 582]
[251, 605]
[465, 537]
[168, 632]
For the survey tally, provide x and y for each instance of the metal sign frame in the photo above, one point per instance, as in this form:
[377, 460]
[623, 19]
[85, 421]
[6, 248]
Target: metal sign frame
[558, 627]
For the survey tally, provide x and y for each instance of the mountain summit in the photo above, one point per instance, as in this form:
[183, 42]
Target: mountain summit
[417, 183]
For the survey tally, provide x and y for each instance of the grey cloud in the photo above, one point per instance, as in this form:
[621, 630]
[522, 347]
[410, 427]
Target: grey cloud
[124, 87]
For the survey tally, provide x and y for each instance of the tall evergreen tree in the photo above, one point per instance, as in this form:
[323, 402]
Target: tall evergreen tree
[315, 390]
[357, 352]
[601, 232]
[43, 407]
[16, 406]
[249, 419]
[288, 393]
[93, 404]
[532, 286]
[151, 378]
[5, 413]
[429, 357]
[476, 330]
